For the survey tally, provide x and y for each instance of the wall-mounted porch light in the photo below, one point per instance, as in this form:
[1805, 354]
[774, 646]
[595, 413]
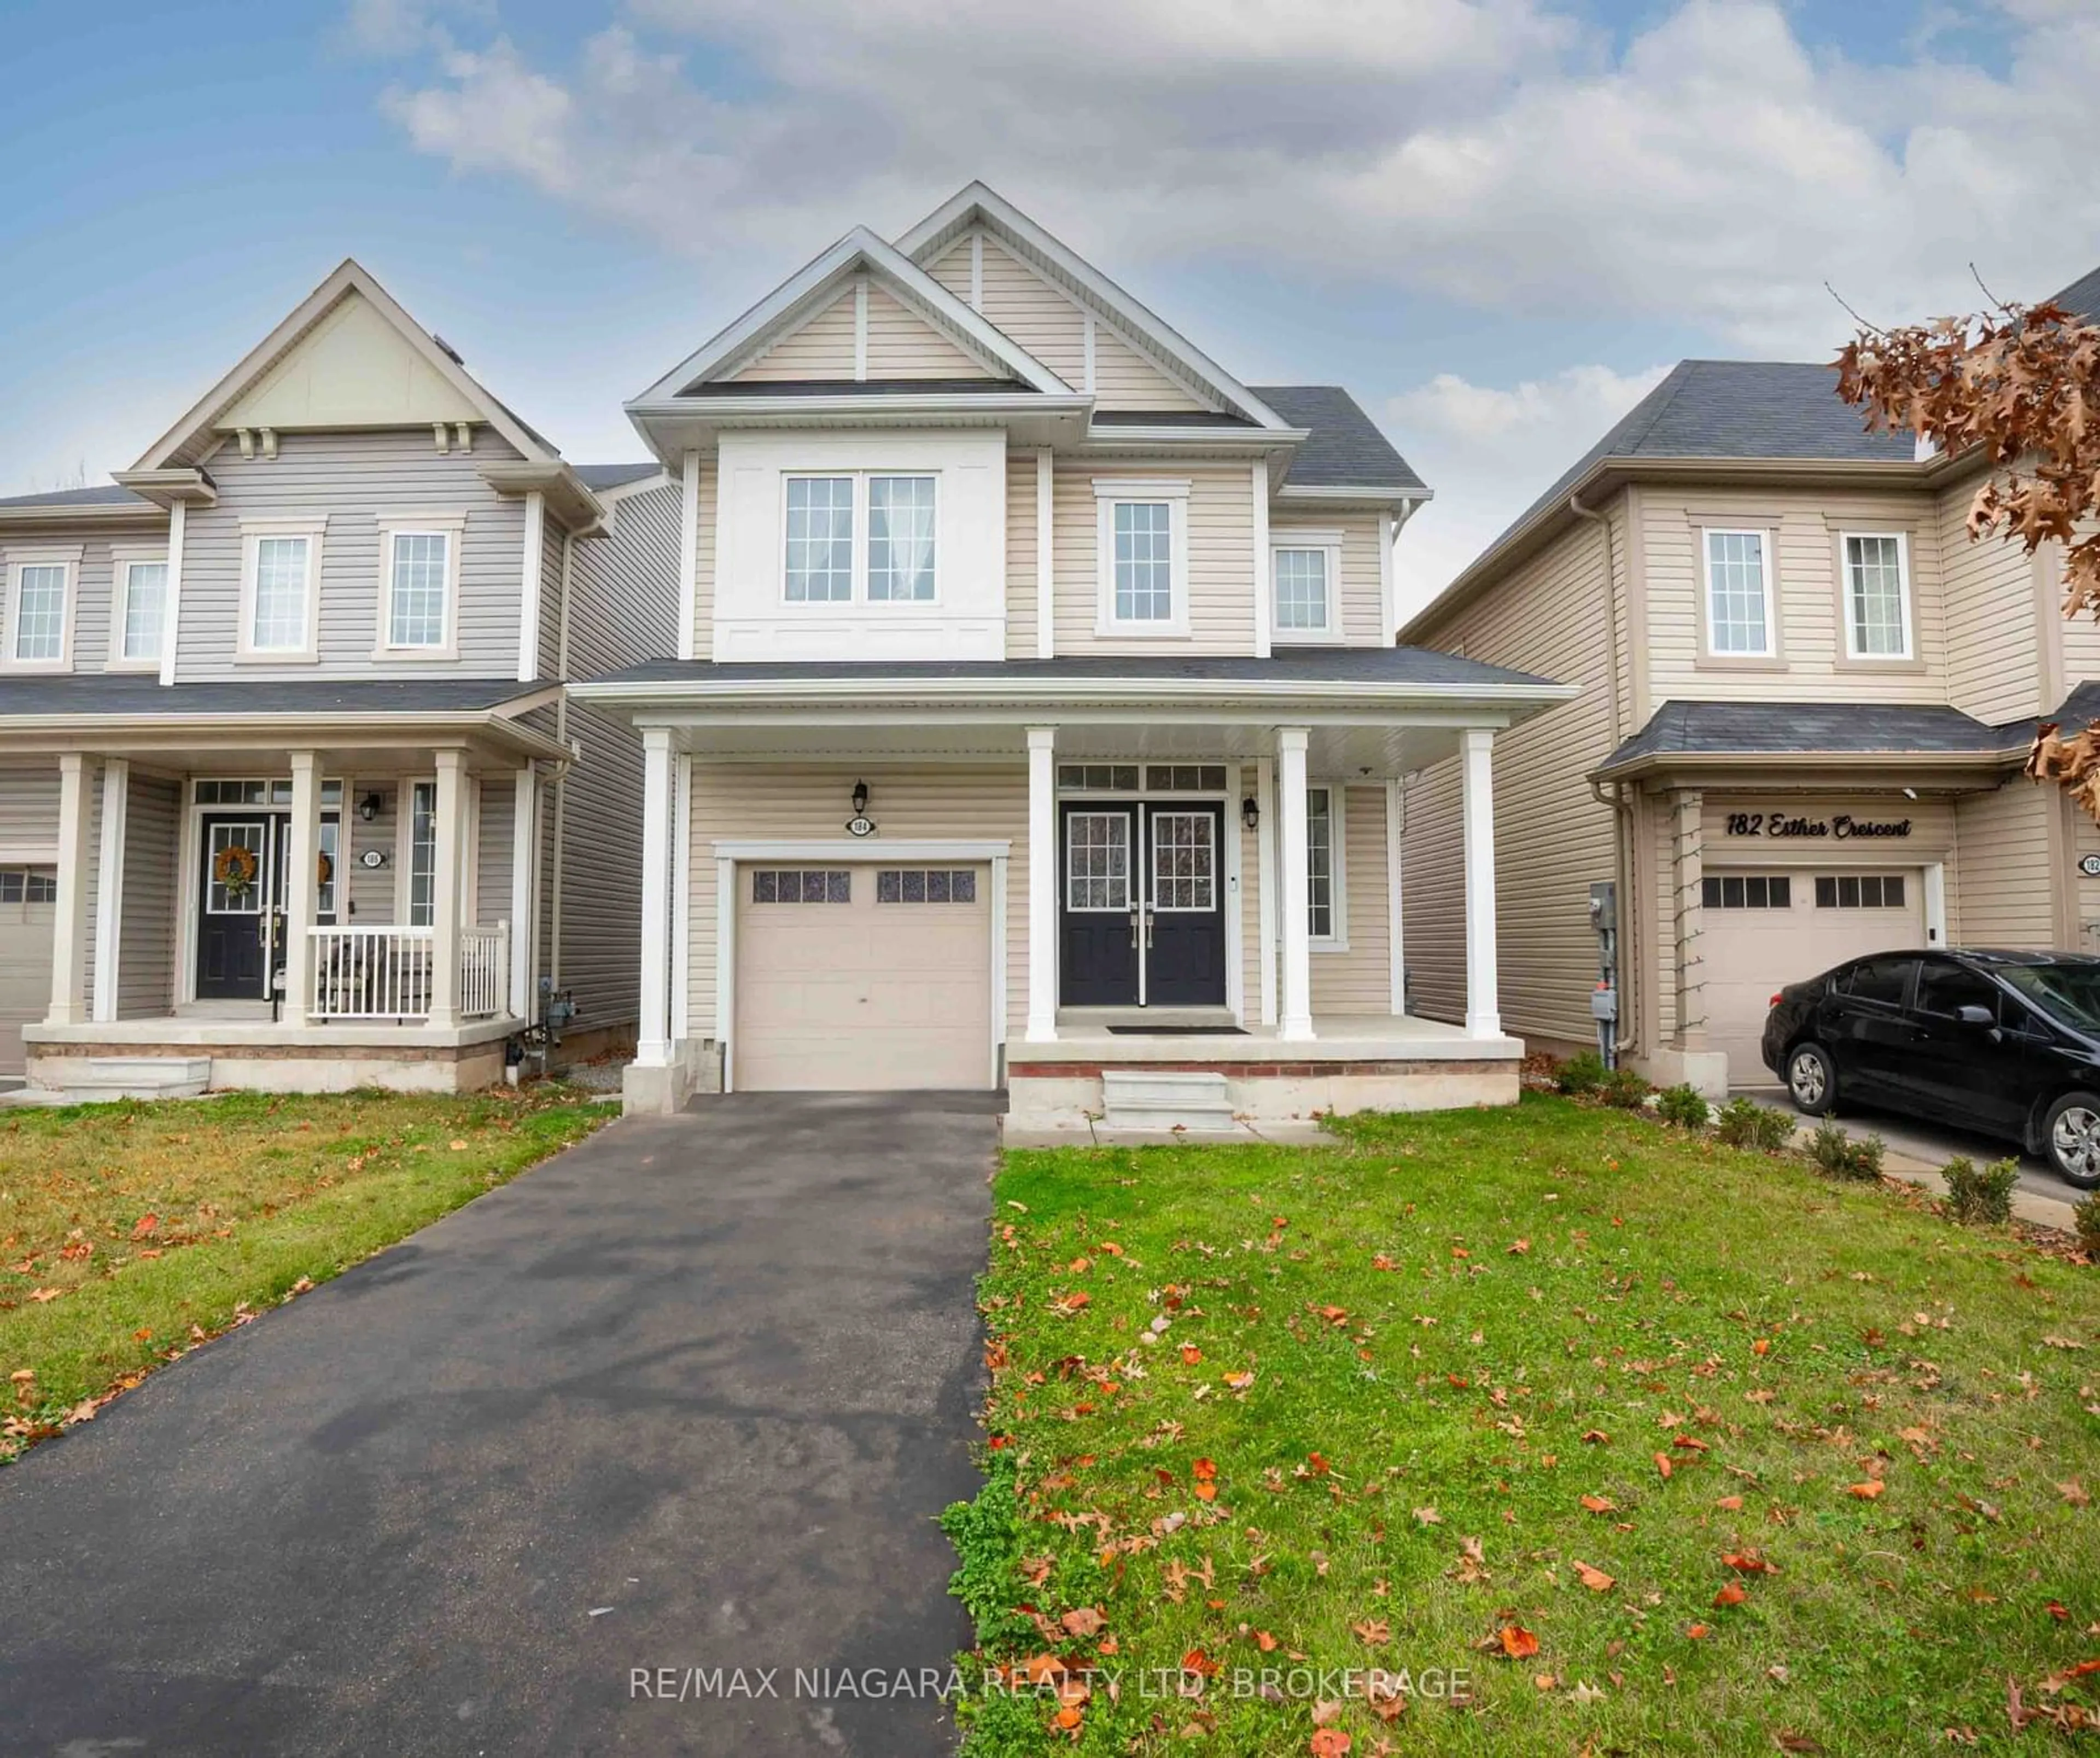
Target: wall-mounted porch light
[860, 824]
[368, 808]
[859, 797]
[1250, 813]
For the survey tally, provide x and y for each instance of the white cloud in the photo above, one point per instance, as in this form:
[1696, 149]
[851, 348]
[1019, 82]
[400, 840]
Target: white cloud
[1714, 175]
[1489, 453]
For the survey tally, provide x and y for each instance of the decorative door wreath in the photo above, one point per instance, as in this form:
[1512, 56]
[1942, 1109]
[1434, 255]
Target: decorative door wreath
[234, 869]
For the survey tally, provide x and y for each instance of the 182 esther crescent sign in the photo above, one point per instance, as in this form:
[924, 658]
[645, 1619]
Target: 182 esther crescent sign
[1840, 827]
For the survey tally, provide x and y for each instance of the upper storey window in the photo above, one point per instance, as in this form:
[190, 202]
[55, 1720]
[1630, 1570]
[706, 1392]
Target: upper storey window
[866, 536]
[1739, 607]
[1304, 571]
[1143, 549]
[39, 625]
[279, 587]
[419, 561]
[142, 599]
[1877, 596]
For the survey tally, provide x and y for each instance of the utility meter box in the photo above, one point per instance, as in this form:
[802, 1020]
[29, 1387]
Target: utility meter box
[1604, 1002]
[1604, 906]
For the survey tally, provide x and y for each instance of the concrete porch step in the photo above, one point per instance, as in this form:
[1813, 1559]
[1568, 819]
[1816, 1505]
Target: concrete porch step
[1160, 1099]
[142, 1077]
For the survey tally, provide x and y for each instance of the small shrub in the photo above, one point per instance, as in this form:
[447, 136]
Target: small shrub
[1845, 1156]
[1684, 1106]
[1581, 1073]
[1624, 1089]
[1982, 1197]
[1745, 1123]
[2086, 1218]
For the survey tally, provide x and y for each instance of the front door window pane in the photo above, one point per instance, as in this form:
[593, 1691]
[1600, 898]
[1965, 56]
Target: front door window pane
[280, 594]
[1735, 588]
[416, 617]
[40, 612]
[1144, 535]
[900, 537]
[1301, 588]
[1183, 861]
[145, 599]
[1097, 861]
[820, 527]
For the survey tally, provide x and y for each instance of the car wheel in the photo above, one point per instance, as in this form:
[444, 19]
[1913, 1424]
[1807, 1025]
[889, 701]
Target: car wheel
[1811, 1079]
[2071, 1137]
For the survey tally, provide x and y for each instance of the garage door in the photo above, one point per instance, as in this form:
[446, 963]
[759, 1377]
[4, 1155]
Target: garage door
[1765, 930]
[26, 909]
[862, 977]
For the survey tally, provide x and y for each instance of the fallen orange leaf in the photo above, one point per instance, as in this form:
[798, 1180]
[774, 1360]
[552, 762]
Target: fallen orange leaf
[1730, 1595]
[1518, 1642]
[1867, 1491]
[1595, 1580]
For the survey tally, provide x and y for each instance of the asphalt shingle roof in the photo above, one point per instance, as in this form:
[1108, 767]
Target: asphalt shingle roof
[1345, 448]
[2081, 298]
[597, 476]
[107, 495]
[129, 694]
[1848, 729]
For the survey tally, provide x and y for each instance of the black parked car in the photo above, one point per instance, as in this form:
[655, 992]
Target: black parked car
[2007, 1043]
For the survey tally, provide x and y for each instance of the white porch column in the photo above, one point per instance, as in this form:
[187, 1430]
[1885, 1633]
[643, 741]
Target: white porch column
[1483, 1017]
[70, 929]
[1264, 842]
[524, 890]
[653, 1043]
[1042, 883]
[1290, 855]
[109, 887]
[447, 871]
[302, 858]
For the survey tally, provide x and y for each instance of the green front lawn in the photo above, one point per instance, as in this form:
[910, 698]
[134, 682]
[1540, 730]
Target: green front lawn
[129, 1232]
[1642, 1444]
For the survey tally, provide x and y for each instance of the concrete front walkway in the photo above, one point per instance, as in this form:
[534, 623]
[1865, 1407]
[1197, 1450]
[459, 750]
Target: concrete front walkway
[687, 1397]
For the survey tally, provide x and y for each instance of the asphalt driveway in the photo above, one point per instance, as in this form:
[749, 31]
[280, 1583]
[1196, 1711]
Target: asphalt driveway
[687, 1397]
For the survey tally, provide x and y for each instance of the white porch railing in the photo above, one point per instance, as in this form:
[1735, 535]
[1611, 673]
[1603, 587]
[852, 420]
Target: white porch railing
[384, 973]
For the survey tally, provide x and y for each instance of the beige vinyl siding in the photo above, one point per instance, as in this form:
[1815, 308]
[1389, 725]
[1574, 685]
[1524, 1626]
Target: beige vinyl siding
[1125, 379]
[1552, 838]
[903, 344]
[1220, 582]
[1042, 319]
[1993, 653]
[146, 939]
[821, 348]
[2083, 901]
[349, 478]
[1805, 584]
[952, 270]
[745, 801]
[624, 609]
[1250, 898]
[1021, 583]
[704, 553]
[1361, 597]
[2008, 878]
[1360, 979]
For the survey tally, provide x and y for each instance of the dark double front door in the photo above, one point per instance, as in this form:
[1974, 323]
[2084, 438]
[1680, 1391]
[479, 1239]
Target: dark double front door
[1142, 905]
[240, 915]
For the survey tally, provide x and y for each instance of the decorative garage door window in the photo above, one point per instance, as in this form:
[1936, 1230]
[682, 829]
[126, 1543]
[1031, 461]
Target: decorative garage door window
[925, 884]
[1746, 891]
[1097, 861]
[1858, 891]
[801, 885]
[1184, 874]
[29, 885]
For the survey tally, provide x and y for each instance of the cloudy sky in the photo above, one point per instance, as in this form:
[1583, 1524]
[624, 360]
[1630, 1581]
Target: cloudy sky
[1496, 221]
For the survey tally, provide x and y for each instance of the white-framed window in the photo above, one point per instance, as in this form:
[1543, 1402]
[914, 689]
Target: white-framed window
[1142, 536]
[281, 590]
[871, 535]
[40, 597]
[419, 569]
[422, 827]
[139, 617]
[1304, 575]
[1740, 623]
[1325, 906]
[1876, 566]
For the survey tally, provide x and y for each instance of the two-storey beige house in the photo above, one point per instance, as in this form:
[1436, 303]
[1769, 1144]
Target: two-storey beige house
[1806, 698]
[291, 795]
[1034, 715]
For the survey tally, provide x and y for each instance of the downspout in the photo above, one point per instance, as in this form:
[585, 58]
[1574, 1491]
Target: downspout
[1622, 810]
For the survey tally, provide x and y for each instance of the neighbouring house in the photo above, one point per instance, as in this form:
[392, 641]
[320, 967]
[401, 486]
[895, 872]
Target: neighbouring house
[1033, 715]
[1806, 698]
[291, 794]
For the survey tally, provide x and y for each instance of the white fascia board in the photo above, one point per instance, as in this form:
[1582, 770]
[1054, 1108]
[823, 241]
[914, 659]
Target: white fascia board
[1121, 437]
[860, 247]
[349, 276]
[1345, 491]
[979, 202]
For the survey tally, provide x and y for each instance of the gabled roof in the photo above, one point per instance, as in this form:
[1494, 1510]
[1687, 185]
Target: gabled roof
[812, 286]
[198, 429]
[599, 477]
[978, 204]
[1839, 729]
[1344, 449]
[2081, 298]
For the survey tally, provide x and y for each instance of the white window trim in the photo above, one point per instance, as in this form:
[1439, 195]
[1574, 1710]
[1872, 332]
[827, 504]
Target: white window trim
[1110, 493]
[121, 561]
[1330, 543]
[1904, 598]
[452, 527]
[863, 543]
[253, 531]
[65, 556]
[1337, 914]
[1765, 535]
